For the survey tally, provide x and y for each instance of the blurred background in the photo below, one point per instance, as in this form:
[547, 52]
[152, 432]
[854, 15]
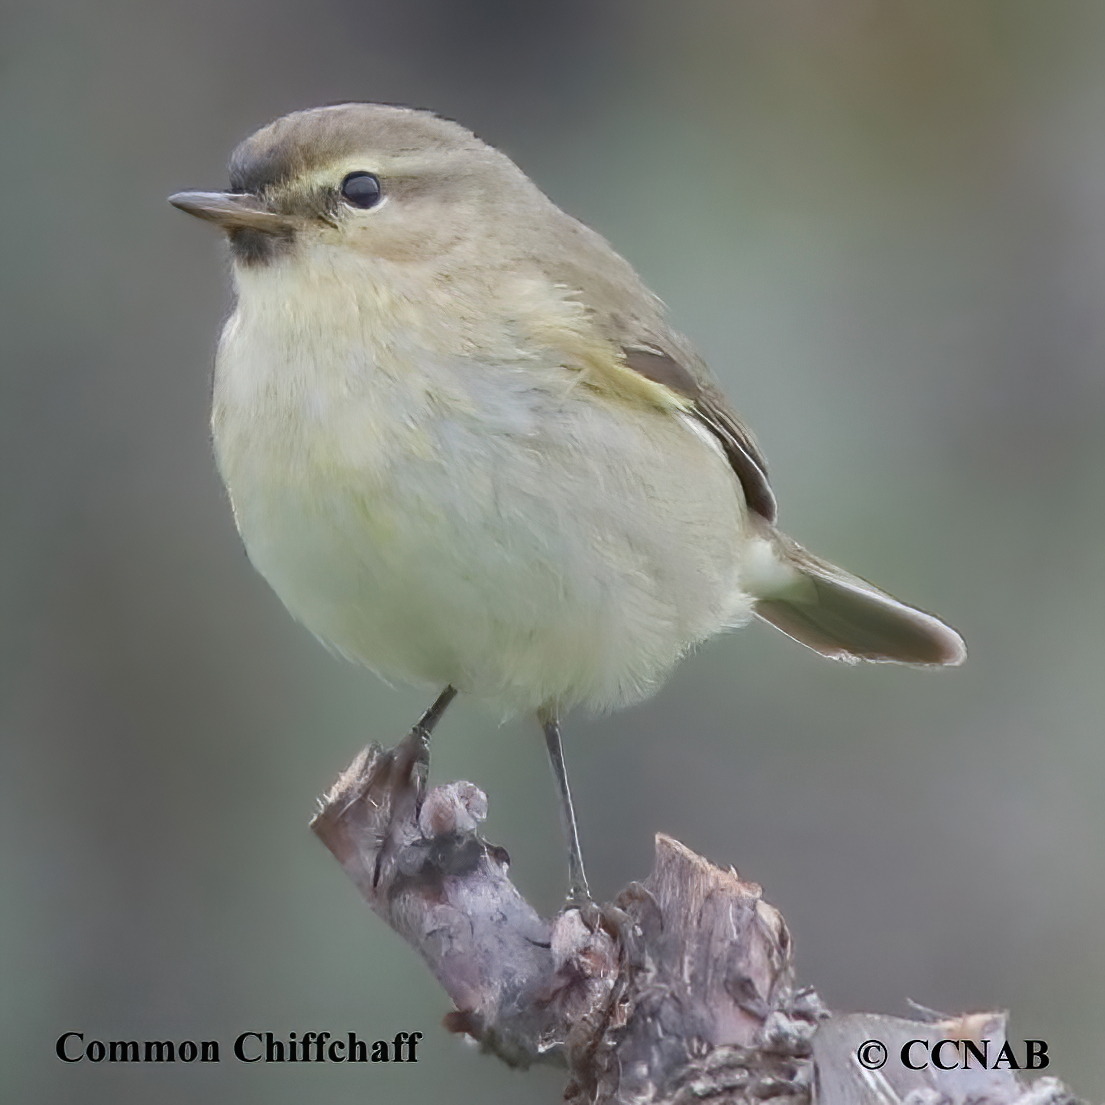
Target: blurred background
[882, 221]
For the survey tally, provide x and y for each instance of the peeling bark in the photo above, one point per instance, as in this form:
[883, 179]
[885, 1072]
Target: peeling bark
[680, 990]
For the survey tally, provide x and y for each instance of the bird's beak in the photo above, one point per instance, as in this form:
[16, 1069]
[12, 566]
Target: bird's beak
[231, 210]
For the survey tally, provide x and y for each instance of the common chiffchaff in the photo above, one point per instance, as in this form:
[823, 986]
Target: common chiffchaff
[466, 449]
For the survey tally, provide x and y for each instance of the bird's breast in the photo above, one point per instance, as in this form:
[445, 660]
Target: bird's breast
[318, 428]
[481, 521]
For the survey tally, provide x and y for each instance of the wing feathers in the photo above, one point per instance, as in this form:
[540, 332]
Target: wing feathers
[710, 408]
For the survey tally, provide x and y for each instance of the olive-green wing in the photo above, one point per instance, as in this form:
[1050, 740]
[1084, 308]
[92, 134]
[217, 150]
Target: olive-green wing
[709, 406]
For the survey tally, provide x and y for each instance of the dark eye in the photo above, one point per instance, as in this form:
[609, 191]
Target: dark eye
[361, 190]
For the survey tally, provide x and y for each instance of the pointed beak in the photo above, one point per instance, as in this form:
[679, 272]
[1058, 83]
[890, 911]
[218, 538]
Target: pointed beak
[231, 210]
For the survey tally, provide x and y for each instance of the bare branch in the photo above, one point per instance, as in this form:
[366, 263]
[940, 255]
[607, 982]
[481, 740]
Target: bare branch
[679, 991]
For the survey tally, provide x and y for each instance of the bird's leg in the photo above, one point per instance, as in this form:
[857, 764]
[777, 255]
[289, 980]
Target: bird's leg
[579, 893]
[411, 763]
[425, 725]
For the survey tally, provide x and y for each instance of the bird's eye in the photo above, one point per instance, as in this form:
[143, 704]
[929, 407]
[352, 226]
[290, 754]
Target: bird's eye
[361, 190]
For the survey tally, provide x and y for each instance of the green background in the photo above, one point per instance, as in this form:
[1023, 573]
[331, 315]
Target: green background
[884, 225]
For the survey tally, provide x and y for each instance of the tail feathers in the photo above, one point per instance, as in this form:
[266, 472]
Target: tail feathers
[847, 618]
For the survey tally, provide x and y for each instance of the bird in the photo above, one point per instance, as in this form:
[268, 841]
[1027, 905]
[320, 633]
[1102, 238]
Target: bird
[467, 450]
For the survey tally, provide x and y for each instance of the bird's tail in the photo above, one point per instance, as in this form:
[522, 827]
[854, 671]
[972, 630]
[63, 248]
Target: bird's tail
[845, 617]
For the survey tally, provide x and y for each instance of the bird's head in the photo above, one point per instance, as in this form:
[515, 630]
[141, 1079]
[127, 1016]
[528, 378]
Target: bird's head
[376, 181]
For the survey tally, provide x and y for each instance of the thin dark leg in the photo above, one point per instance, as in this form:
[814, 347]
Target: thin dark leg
[433, 715]
[411, 760]
[425, 724]
[579, 893]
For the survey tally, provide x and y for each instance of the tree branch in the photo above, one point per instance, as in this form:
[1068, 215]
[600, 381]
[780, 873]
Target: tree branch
[681, 990]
